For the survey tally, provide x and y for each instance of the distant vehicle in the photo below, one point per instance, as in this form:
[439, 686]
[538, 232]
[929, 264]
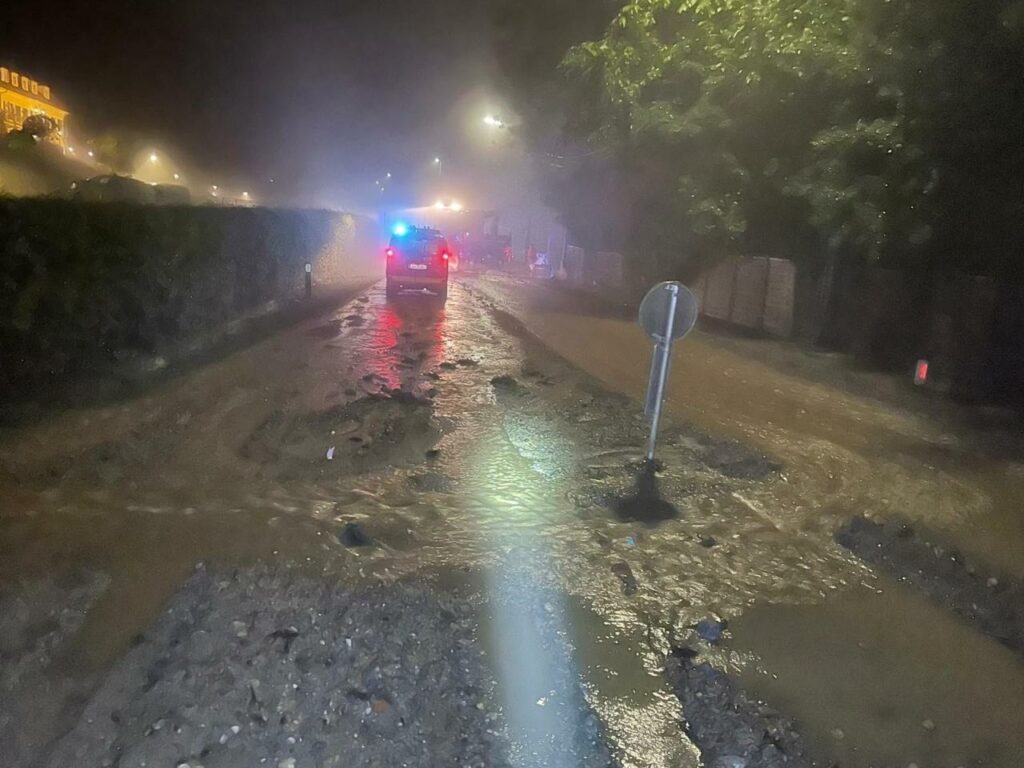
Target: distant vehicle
[417, 257]
[113, 189]
[482, 245]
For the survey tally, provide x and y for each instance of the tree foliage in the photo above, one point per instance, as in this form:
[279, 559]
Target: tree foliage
[38, 126]
[885, 130]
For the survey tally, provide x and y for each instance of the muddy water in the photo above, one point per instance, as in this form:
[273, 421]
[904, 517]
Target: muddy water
[825, 642]
[894, 680]
[146, 488]
[843, 453]
[230, 465]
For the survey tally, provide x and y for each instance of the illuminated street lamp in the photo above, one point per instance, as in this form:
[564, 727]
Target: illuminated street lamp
[439, 205]
[91, 153]
[176, 177]
[455, 206]
[153, 158]
[494, 121]
[245, 195]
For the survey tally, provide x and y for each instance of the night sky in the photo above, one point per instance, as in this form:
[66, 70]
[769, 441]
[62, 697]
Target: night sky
[325, 96]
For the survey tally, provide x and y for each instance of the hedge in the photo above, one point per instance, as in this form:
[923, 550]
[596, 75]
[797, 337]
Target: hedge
[81, 284]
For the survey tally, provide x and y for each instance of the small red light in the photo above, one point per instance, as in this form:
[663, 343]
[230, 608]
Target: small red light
[444, 255]
[389, 252]
[921, 372]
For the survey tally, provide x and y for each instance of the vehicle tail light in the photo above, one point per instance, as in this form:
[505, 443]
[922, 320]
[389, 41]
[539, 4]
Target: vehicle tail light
[390, 253]
[921, 372]
[444, 256]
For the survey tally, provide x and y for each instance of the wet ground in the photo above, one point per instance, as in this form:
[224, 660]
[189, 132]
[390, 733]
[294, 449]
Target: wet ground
[851, 443]
[388, 444]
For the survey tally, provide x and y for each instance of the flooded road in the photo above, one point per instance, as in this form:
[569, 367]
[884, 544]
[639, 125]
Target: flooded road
[469, 452]
[863, 662]
[844, 453]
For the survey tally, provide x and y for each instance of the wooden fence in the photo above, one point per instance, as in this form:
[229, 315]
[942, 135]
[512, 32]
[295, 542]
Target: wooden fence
[751, 292]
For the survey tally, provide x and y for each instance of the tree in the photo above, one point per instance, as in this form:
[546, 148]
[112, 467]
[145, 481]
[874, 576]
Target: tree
[38, 126]
[925, 172]
[874, 130]
[711, 107]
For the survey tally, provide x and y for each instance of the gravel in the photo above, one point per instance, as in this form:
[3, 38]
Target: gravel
[266, 667]
[270, 667]
[731, 729]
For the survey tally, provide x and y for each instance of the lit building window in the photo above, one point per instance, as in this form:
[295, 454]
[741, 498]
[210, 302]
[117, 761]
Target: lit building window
[35, 87]
[45, 90]
[5, 75]
[14, 79]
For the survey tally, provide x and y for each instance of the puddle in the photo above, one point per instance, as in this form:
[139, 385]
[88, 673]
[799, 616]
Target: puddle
[555, 660]
[884, 678]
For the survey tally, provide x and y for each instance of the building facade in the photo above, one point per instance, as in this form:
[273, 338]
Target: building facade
[21, 96]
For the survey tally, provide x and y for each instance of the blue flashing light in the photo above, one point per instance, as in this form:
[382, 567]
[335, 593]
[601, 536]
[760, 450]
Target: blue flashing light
[400, 230]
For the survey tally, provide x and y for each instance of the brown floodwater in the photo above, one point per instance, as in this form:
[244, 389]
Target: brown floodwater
[145, 488]
[891, 678]
[838, 648]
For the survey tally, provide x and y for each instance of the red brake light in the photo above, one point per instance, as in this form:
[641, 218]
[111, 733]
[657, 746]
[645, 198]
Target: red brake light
[444, 255]
[921, 372]
[390, 252]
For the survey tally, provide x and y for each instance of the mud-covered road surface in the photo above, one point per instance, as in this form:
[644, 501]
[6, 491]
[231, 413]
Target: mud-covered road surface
[441, 486]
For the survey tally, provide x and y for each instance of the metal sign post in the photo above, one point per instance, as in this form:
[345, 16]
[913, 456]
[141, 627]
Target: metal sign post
[668, 313]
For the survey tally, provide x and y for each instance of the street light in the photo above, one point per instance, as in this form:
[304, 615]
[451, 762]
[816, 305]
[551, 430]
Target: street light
[153, 157]
[493, 121]
[91, 154]
[455, 206]
[176, 176]
[439, 205]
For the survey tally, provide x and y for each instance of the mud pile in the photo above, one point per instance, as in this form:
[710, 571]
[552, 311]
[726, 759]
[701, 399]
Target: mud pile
[950, 579]
[272, 668]
[268, 666]
[731, 729]
[378, 430]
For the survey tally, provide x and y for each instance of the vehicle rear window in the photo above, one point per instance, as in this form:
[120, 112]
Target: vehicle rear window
[418, 245]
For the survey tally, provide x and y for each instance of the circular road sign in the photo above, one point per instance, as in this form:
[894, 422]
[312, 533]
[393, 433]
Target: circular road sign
[654, 311]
